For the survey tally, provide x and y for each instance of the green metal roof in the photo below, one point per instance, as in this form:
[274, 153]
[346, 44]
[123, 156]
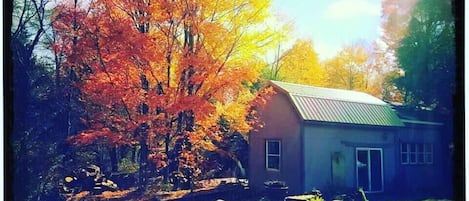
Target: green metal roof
[338, 105]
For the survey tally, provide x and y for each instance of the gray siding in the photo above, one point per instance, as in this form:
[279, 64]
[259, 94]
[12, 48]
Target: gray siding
[321, 141]
[423, 178]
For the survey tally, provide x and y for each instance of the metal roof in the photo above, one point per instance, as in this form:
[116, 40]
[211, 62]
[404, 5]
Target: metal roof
[338, 105]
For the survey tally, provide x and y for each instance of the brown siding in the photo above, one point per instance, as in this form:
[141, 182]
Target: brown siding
[282, 123]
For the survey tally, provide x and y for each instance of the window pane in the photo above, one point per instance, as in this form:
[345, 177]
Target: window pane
[362, 165]
[420, 157]
[429, 158]
[420, 148]
[273, 147]
[404, 147]
[413, 158]
[273, 162]
[404, 158]
[428, 148]
[413, 148]
[376, 174]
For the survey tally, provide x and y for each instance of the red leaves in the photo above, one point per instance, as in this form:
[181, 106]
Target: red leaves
[256, 104]
[157, 85]
[105, 135]
[262, 97]
[159, 159]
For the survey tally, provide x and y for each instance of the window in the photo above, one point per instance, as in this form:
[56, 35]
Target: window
[369, 169]
[404, 154]
[416, 153]
[272, 156]
[428, 153]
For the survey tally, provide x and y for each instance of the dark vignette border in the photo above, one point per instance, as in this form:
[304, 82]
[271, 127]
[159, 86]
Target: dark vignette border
[7, 101]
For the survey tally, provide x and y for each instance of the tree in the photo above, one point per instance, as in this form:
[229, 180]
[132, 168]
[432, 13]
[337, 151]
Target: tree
[395, 17]
[427, 56]
[389, 90]
[299, 64]
[350, 69]
[158, 75]
[38, 133]
[26, 33]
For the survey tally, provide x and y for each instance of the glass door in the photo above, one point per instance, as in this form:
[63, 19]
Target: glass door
[369, 169]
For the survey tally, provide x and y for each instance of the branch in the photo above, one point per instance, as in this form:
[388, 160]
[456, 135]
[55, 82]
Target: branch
[103, 65]
[40, 14]
[20, 22]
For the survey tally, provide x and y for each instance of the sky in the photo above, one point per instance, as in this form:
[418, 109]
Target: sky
[331, 24]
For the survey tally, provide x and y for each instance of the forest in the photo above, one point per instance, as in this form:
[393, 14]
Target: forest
[161, 94]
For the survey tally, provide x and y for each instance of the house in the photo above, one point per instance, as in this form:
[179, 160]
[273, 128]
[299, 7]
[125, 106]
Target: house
[321, 138]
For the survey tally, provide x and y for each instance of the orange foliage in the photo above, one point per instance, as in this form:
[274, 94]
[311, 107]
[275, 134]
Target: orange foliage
[113, 194]
[152, 73]
[257, 104]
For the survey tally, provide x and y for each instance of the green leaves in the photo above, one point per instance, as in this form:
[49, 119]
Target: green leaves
[427, 55]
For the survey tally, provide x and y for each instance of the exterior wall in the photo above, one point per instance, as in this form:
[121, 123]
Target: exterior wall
[321, 141]
[281, 123]
[308, 150]
[432, 179]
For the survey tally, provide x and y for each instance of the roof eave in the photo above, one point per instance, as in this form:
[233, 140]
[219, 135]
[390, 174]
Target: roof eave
[427, 123]
[352, 124]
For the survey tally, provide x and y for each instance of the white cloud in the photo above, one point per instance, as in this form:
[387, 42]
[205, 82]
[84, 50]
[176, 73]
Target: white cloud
[352, 8]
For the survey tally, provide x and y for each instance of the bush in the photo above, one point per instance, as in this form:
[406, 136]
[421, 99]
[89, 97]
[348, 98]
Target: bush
[127, 166]
[274, 184]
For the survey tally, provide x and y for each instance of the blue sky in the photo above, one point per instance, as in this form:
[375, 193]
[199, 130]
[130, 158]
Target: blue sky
[331, 24]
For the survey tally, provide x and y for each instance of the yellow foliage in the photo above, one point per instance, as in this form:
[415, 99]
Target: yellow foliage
[349, 69]
[300, 65]
[173, 66]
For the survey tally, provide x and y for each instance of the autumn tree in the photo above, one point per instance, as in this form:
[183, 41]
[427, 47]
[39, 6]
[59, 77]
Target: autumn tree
[160, 74]
[381, 72]
[395, 17]
[299, 64]
[350, 69]
[427, 56]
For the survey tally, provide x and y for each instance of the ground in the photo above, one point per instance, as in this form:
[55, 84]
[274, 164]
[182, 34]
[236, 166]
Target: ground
[226, 189]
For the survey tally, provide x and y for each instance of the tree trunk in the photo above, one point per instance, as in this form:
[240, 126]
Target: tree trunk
[166, 151]
[114, 159]
[143, 166]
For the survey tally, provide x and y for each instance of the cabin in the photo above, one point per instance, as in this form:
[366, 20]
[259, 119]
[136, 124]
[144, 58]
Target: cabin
[334, 139]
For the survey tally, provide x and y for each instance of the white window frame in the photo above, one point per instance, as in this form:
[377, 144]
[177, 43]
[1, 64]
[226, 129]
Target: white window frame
[267, 155]
[426, 153]
[406, 152]
[412, 153]
[428, 150]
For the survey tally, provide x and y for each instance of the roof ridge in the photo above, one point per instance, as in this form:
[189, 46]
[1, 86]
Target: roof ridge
[327, 93]
[341, 100]
[303, 85]
[318, 87]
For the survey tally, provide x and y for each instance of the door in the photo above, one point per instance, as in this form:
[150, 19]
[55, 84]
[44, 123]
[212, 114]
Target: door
[369, 169]
[339, 167]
